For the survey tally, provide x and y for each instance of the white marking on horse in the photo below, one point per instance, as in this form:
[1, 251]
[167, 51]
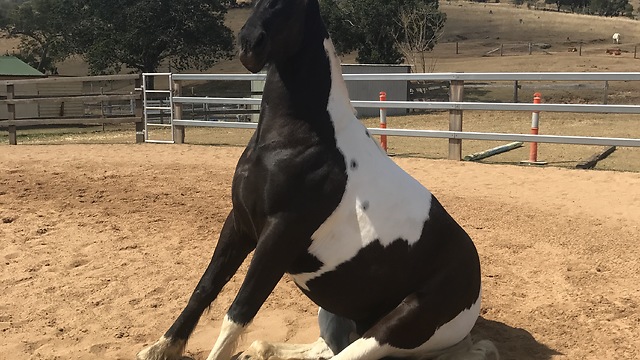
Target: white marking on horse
[445, 337]
[397, 205]
[162, 349]
[227, 340]
[263, 350]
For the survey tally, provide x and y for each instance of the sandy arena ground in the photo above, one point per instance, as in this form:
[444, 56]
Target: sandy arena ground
[101, 246]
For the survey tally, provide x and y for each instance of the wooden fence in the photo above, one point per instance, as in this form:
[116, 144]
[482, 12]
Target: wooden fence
[16, 97]
[518, 49]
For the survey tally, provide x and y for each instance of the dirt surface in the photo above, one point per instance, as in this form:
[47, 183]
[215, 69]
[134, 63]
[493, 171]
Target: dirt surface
[101, 246]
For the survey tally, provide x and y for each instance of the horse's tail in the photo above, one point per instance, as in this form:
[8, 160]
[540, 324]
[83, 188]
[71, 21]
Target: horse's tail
[468, 350]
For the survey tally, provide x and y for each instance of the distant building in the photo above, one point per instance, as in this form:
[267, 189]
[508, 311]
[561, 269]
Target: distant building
[12, 68]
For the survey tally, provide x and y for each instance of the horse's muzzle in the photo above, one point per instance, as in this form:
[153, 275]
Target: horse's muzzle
[254, 49]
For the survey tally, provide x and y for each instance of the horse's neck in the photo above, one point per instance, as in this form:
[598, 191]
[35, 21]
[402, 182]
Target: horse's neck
[339, 106]
[310, 84]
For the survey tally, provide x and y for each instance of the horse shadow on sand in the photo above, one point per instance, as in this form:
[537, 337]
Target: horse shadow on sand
[512, 343]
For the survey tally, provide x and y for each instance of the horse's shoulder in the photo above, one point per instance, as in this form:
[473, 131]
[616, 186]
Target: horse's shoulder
[284, 175]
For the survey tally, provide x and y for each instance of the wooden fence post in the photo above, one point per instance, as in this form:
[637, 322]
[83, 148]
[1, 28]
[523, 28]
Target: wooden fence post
[456, 48]
[11, 115]
[515, 91]
[178, 130]
[605, 94]
[139, 112]
[501, 49]
[456, 93]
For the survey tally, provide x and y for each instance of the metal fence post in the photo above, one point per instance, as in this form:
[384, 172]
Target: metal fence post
[139, 111]
[456, 93]
[178, 130]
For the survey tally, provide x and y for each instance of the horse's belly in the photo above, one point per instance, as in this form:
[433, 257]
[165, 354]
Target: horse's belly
[372, 282]
[366, 217]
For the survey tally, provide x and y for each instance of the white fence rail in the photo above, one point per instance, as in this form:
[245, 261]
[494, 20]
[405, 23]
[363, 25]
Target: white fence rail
[502, 76]
[443, 105]
[455, 106]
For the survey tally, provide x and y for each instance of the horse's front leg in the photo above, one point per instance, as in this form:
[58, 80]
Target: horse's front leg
[229, 254]
[280, 242]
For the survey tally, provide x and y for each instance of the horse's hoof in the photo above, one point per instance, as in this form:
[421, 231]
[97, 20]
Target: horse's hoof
[258, 350]
[163, 349]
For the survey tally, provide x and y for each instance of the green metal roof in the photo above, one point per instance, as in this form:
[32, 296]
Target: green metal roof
[12, 66]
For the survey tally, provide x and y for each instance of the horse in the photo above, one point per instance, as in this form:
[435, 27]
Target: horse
[314, 196]
[616, 38]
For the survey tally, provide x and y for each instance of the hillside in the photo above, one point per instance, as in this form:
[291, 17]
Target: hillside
[479, 28]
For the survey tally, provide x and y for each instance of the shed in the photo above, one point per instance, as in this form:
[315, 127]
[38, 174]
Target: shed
[12, 68]
[370, 90]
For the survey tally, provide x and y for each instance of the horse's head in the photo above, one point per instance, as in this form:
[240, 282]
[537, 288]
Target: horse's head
[273, 32]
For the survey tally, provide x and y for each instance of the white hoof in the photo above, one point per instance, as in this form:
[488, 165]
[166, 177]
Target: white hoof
[163, 349]
[258, 350]
[262, 350]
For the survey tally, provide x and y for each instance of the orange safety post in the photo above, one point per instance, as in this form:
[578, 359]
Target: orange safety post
[535, 120]
[383, 121]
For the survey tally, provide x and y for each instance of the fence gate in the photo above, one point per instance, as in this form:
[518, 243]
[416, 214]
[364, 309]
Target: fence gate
[158, 107]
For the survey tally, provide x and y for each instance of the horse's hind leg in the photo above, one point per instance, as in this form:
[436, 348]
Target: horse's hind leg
[336, 333]
[229, 254]
[426, 324]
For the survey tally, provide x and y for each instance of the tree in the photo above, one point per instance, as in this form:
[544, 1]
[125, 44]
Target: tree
[44, 28]
[420, 28]
[142, 34]
[573, 5]
[560, 3]
[610, 7]
[6, 6]
[369, 26]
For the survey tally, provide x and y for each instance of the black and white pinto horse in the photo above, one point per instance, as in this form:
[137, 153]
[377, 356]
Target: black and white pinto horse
[314, 196]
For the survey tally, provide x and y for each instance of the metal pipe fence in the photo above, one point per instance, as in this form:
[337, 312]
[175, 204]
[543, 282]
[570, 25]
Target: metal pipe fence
[455, 106]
